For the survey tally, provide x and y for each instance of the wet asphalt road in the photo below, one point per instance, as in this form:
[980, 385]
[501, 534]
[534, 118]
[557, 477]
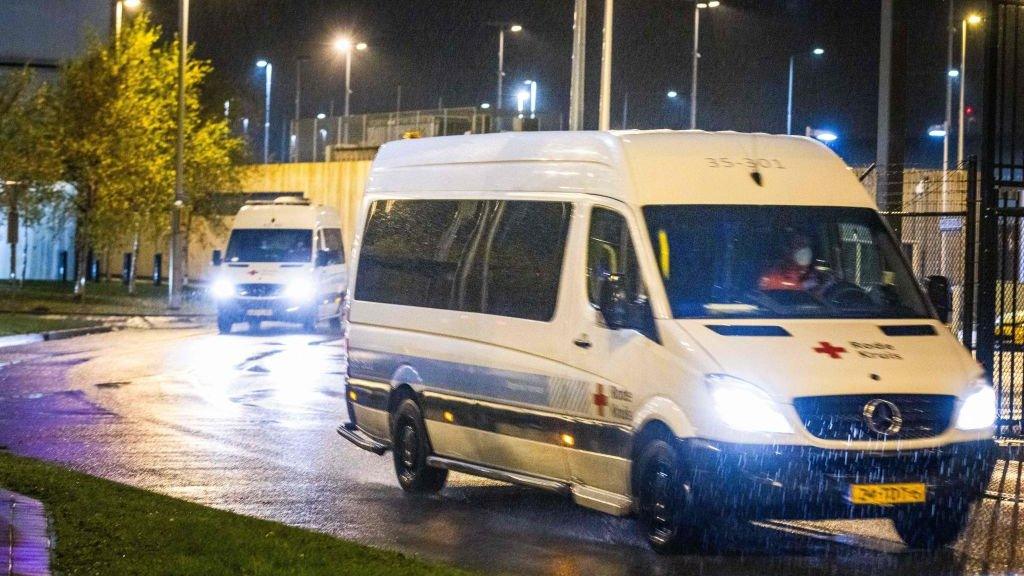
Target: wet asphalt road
[246, 423]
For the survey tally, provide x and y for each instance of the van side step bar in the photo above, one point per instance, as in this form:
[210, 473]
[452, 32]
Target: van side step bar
[500, 475]
[350, 432]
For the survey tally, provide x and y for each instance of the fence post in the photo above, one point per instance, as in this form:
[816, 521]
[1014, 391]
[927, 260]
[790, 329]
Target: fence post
[988, 225]
[970, 248]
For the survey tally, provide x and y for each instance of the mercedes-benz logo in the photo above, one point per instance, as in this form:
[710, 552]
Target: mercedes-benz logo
[882, 417]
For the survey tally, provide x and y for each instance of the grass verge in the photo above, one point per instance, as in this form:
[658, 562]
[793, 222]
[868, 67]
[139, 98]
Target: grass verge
[103, 527]
[29, 324]
[42, 297]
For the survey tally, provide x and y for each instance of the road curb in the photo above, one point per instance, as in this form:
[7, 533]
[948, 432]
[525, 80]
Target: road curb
[22, 339]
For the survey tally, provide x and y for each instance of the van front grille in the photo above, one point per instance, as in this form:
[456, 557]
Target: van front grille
[846, 417]
[260, 290]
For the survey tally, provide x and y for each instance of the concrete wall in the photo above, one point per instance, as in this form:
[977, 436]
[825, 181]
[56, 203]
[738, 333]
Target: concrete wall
[339, 185]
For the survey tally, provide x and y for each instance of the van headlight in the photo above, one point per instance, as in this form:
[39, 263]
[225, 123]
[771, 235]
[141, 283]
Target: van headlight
[300, 289]
[978, 410]
[743, 406]
[222, 289]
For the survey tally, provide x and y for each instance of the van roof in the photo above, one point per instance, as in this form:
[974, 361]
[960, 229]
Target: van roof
[286, 215]
[638, 167]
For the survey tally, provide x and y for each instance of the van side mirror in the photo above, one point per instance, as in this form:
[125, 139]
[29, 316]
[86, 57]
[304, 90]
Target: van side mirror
[323, 258]
[216, 259]
[940, 296]
[614, 301]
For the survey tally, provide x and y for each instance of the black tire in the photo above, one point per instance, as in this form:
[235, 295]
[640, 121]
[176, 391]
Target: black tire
[224, 323]
[666, 514]
[929, 527]
[410, 447]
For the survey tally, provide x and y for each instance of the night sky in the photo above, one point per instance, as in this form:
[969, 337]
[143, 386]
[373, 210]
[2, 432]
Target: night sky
[443, 50]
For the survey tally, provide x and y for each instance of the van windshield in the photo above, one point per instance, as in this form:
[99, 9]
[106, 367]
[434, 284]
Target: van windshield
[780, 262]
[266, 245]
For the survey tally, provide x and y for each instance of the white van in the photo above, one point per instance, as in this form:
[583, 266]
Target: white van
[284, 262]
[676, 325]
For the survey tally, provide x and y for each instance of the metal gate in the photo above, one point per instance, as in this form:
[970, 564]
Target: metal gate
[936, 224]
[1000, 301]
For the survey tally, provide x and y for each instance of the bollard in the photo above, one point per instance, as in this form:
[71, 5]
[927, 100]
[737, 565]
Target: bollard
[158, 264]
[126, 269]
[62, 265]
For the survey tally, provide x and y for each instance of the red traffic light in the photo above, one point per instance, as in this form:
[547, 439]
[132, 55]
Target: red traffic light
[969, 110]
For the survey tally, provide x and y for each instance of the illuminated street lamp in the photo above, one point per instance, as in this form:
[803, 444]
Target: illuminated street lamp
[119, 7]
[817, 51]
[533, 97]
[515, 29]
[269, 69]
[345, 45]
[672, 94]
[696, 56]
[316, 131]
[937, 131]
[826, 136]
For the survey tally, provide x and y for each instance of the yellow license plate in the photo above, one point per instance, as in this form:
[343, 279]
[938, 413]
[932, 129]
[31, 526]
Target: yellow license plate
[888, 494]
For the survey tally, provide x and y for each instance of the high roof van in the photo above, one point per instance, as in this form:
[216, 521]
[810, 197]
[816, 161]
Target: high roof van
[284, 262]
[680, 326]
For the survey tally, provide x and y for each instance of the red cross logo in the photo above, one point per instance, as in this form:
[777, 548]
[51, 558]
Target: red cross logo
[600, 400]
[834, 352]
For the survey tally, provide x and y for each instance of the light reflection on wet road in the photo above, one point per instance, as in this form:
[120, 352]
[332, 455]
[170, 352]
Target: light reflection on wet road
[246, 423]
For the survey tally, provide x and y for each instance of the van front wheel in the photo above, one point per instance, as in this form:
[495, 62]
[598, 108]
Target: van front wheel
[224, 323]
[411, 447]
[930, 527]
[663, 498]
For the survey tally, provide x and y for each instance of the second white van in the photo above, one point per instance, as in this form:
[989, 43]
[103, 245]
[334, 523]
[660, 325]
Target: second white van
[284, 262]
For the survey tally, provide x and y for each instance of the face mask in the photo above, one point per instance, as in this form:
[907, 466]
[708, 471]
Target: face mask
[803, 256]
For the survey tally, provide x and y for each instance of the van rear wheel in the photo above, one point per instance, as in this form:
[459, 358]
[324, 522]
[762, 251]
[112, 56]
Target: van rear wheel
[410, 448]
[665, 509]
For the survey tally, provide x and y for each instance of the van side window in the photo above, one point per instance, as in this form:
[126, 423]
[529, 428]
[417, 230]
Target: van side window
[522, 260]
[609, 251]
[413, 250]
[330, 242]
[494, 257]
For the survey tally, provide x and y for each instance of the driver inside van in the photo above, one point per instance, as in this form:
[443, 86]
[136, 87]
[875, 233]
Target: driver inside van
[793, 269]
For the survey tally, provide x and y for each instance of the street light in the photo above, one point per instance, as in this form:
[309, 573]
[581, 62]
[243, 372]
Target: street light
[672, 94]
[320, 116]
[817, 51]
[826, 136]
[521, 97]
[937, 131]
[514, 28]
[533, 97]
[972, 20]
[696, 56]
[119, 7]
[485, 106]
[345, 45]
[269, 69]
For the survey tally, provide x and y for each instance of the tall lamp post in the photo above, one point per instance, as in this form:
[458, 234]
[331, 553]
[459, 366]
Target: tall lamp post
[269, 69]
[696, 57]
[345, 45]
[177, 264]
[792, 78]
[972, 20]
[515, 29]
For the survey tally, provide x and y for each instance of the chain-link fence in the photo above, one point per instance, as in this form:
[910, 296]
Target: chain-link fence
[929, 213]
[313, 139]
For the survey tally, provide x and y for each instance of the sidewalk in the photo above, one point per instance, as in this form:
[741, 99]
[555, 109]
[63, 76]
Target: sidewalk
[24, 536]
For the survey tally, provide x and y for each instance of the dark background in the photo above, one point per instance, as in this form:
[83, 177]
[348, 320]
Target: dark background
[443, 51]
